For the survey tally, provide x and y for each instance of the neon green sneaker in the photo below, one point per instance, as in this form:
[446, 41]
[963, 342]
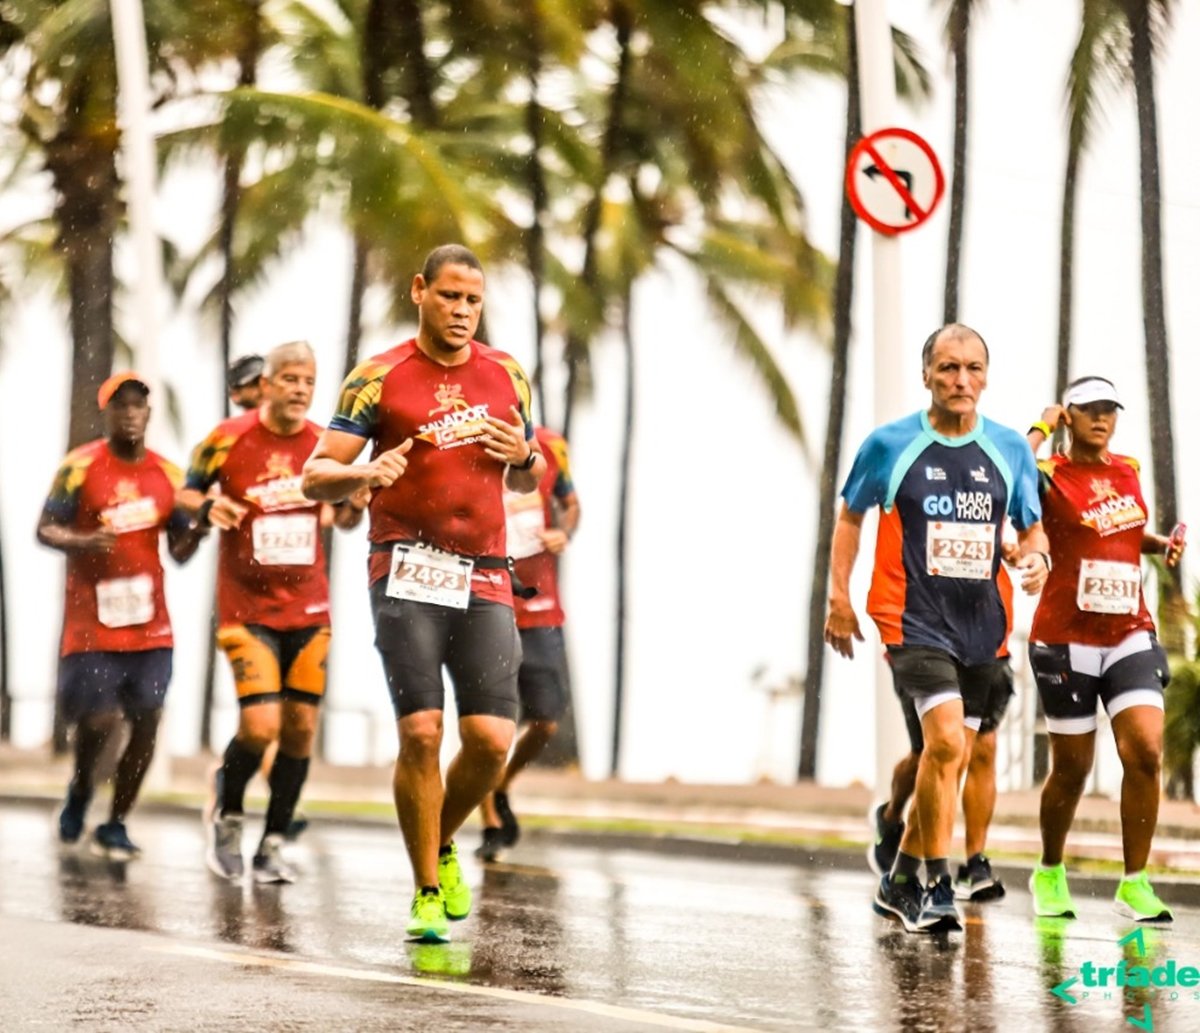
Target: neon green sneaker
[1051, 898]
[427, 919]
[454, 887]
[1136, 899]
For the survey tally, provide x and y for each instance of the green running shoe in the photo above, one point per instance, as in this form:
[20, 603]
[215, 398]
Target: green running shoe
[427, 919]
[1136, 899]
[454, 887]
[1051, 898]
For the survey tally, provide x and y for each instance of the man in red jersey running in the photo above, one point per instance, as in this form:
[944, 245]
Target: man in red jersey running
[272, 601]
[539, 527]
[110, 501]
[449, 418]
[1093, 642]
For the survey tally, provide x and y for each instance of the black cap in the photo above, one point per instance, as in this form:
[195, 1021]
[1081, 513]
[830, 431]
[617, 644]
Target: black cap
[244, 370]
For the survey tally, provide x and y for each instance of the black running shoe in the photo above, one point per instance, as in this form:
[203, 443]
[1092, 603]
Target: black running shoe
[112, 841]
[509, 829]
[491, 846]
[70, 819]
[900, 900]
[885, 844]
[939, 913]
[976, 882]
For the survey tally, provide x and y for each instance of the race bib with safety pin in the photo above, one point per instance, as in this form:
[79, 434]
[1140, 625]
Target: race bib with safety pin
[427, 575]
[125, 601]
[960, 550]
[525, 518]
[285, 540]
[1106, 586]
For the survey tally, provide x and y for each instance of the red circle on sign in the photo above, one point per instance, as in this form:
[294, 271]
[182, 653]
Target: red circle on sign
[868, 145]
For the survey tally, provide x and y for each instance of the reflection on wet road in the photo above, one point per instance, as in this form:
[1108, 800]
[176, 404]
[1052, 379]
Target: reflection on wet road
[680, 942]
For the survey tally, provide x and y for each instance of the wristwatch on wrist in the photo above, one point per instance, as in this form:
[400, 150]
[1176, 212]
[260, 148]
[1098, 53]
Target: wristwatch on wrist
[529, 460]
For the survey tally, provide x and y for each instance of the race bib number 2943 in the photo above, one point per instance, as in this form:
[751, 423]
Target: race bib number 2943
[960, 550]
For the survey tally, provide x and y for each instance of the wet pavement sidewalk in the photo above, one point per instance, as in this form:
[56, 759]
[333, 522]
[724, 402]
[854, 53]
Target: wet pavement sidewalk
[776, 819]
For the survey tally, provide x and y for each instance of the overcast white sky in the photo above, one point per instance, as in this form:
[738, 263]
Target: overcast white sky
[724, 504]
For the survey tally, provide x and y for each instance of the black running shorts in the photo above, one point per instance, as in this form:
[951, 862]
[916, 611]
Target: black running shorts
[479, 646]
[1071, 678]
[542, 679]
[923, 673]
[100, 682]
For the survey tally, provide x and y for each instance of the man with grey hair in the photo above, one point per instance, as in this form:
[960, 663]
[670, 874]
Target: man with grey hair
[272, 599]
[944, 480]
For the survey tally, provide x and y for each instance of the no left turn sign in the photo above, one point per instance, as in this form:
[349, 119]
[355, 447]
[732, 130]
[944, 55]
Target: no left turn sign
[894, 180]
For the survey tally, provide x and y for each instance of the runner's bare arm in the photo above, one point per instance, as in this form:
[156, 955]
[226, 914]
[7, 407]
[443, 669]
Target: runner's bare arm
[65, 538]
[1052, 417]
[841, 624]
[1034, 563]
[348, 513]
[331, 474]
[1160, 545]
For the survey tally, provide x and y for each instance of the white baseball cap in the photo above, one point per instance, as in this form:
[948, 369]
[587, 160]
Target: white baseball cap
[1092, 389]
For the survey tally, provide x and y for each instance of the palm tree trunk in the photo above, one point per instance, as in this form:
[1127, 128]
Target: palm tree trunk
[843, 298]
[538, 199]
[960, 20]
[577, 342]
[1066, 274]
[230, 199]
[85, 178]
[623, 531]
[1158, 368]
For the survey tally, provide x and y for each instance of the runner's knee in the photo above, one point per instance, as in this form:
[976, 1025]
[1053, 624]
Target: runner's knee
[421, 737]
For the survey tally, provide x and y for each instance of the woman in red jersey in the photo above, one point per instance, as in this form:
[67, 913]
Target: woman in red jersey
[1093, 640]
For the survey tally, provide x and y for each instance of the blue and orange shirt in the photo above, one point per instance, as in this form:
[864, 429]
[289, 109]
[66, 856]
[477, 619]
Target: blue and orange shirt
[938, 580]
[451, 494]
[115, 600]
[271, 567]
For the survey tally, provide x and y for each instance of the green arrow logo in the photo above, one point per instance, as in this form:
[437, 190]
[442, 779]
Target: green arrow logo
[1146, 1023]
[1138, 935]
[1060, 991]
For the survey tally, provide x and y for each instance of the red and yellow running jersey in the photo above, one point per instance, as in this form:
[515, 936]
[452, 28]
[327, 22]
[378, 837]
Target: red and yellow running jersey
[1095, 517]
[527, 516]
[271, 569]
[451, 494]
[114, 600]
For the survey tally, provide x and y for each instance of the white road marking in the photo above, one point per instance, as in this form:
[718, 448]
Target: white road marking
[611, 1011]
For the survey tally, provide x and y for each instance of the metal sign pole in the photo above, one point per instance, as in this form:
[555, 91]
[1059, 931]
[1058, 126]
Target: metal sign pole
[877, 89]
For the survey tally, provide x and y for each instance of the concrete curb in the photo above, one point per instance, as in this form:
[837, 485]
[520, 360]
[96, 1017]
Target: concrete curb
[1173, 889]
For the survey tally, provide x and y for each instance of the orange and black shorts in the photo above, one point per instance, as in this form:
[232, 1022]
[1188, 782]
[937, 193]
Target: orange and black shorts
[269, 665]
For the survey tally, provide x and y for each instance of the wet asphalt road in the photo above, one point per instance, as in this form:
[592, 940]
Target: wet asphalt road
[561, 938]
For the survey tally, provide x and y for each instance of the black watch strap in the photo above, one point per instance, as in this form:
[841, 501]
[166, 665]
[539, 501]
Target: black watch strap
[529, 461]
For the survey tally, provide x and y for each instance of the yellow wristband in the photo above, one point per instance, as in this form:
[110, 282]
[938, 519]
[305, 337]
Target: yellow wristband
[1043, 426]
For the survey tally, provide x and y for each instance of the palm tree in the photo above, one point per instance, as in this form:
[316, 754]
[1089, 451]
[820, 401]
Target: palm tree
[684, 144]
[64, 53]
[1148, 21]
[1100, 59]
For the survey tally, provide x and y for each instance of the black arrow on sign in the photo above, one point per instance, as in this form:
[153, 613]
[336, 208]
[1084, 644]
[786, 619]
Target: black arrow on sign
[871, 171]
